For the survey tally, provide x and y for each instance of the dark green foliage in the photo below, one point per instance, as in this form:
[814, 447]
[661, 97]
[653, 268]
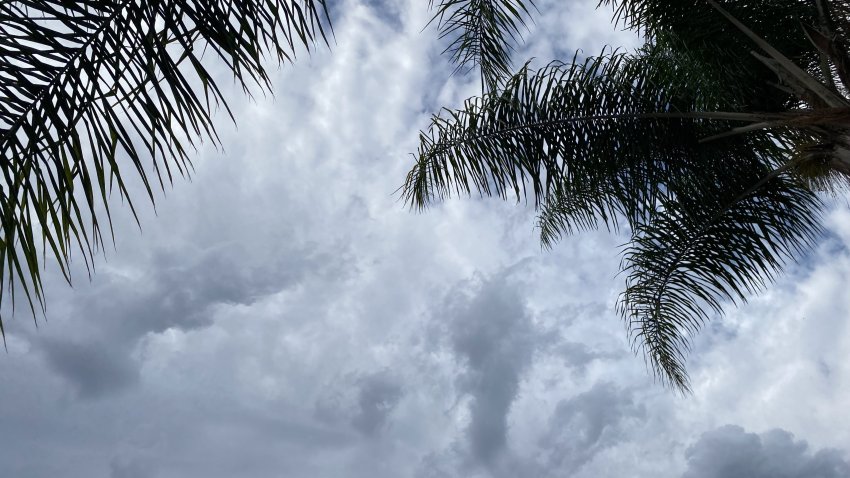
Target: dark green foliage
[703, 151]
[92, 90]
[699, 252]
[482, 34]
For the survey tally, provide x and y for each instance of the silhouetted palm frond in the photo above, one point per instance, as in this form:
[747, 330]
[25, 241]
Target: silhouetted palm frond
[482, 34]
[91, 90]
[707, 145]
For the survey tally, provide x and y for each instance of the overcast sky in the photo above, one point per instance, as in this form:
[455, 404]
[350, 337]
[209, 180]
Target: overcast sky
[283, 315]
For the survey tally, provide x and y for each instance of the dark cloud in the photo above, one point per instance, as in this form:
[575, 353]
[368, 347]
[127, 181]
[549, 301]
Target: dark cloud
[376, 399]
[491, 332]
[93, 369]
[130, 468]
[364, 402]
[588, 423]
[179, 290]
[389, 12]
[153, 294]
[730, 452]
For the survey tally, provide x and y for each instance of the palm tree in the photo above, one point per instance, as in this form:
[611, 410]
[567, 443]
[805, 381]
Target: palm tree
[90, 90]
[711, 145]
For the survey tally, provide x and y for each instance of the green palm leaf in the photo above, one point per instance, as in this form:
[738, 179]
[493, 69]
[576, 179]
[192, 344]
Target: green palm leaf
[710, 246]
[621, 123]
[482, 34]
[691, 144]
[92, 90]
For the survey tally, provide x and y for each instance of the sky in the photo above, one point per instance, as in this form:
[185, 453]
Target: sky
[283, 314]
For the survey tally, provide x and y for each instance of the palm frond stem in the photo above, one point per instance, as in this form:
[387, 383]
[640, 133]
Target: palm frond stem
[831, 98]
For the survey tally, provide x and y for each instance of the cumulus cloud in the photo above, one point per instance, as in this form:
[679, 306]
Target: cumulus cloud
[730, 451]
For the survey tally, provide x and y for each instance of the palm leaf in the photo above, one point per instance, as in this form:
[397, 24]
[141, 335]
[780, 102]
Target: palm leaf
[622, 137]
[92, 90]
[719, 242]
[621, 122]
[696, 27]
[482, 34]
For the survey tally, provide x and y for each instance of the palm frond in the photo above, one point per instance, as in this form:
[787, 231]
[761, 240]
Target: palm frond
[482, 34]
[708, 248]
[695, 27]
[90, 90]
[576, 207]
[622, 137]
[620, 123]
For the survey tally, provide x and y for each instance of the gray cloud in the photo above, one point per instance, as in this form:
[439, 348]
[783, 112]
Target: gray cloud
[588, 423]
[93, 369]
[730, 452]
[579, 356]
[491, 332]
[131, 468]
[172, 289]
[376, 399]
[153, 294]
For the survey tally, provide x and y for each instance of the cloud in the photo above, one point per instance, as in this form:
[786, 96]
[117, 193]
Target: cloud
[93, 369]
[729, 451]
[130, 468]
[93, 334]
[376, 399]
[588, 423]
[579, 356]
[179, 289]
[491, 333]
